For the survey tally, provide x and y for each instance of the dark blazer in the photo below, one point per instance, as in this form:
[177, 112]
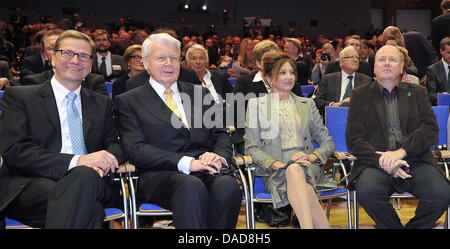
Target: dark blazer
[440, 28]
[221, 83]
[303, 71]
[420, 51]
[367, 125]
[32, 64]
[152, 144]
[436, 81]
[115, 60]
[119, 86]
[31, 136]
[92, 81]
[186, 75]
[330, 89]
[364, 68]
[245, 85]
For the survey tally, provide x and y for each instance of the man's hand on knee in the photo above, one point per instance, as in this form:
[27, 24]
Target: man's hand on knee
[101, 159]
[388, 159]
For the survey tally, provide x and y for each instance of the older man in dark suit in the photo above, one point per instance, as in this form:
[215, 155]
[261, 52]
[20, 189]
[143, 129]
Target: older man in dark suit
[166, 137]
[336, 89]
[438, 74]
[58, 141]
[390, 129]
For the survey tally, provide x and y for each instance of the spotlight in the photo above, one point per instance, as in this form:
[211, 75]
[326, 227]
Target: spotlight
[204, 7]
[186, 6]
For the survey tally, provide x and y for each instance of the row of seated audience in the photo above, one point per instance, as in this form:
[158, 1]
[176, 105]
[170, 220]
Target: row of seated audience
[180, 159]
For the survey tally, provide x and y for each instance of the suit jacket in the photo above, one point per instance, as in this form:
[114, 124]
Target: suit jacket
[245, 85]
[264, 144]
[330, 89]
[420, 51]
[186, 75]
[31, 136]
[4, 70]
[440, 29]
[367, 125]
[92, 81]
[31, 65]
[116, 60]
[153, 144]
[303, 71]
[436, 81]
[221, 83]
[363, 68]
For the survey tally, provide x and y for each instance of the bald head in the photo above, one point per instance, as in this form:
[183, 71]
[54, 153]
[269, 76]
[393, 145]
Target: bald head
[393, 32]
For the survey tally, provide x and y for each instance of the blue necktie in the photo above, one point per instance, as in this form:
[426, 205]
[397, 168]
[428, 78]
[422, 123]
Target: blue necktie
[75, 126]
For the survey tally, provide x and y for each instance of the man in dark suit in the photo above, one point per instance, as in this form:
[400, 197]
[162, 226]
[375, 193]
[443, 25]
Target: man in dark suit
[215, 81]
[186, 75]
[363, 68]
[54, 160]
[41, 62]
[440, 26]
[166, 137]
[104, 62]
[292, 47]
[419, 49]
[92, 81]
[336, 89]
[390, 129]
[438, 74]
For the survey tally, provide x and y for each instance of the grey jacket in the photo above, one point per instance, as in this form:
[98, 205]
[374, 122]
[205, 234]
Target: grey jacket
[262, 138]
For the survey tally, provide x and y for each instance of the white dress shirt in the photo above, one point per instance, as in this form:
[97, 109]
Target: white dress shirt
[61, 102]
[107, 62]
[209, 85]
[259, 77]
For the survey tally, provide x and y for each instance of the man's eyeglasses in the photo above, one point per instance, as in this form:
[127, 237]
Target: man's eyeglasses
[68, 54]
[135, 57]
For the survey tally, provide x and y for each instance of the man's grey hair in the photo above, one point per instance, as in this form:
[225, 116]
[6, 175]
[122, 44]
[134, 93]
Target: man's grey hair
[345, 50]
[161, 38]
[196, 47]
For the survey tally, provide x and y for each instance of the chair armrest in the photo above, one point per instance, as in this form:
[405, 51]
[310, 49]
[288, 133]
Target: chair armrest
[442, 154]
[344, 156]
[241, 160]
[126, 168]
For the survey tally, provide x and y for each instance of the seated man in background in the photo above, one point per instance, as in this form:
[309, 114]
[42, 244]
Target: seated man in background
[438, 74]
[390, 129]
[58, 142]
[336, 88]
[177, 152]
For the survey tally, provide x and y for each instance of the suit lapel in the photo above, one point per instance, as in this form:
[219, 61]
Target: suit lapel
[442, 77]
[216, 83]
[404, 99]
[338, 80]
[378, 103]
[87, 105]
[48, 103]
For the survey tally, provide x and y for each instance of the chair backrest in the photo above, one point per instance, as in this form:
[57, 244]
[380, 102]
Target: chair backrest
[336, 122]
[232, 81]
[443, 99]
[1, 94]
[258, 186]
[442, 114]
[307, 90]
[108, 86]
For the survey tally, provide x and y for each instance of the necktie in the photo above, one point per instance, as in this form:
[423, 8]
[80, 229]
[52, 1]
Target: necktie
[75, 126]
[170, 102]
[47, 66]
[348, 91]
[103, 67]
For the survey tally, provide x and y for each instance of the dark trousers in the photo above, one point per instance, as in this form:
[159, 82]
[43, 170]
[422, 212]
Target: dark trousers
[374, 188]
[199, 201]
[75, 201]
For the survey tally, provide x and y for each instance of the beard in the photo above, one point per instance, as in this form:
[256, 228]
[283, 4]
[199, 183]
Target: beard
[102, 49]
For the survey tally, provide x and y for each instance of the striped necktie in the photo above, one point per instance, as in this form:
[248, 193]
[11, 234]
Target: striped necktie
[75, 126]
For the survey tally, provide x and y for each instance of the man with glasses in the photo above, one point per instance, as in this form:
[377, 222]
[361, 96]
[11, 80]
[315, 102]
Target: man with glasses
[364, 67]
[58, 145]
[164, 130]
[336, 89]
[390, 129]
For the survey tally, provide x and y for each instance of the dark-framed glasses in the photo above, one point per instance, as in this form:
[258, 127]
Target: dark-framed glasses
[135, 57]
[69, 54]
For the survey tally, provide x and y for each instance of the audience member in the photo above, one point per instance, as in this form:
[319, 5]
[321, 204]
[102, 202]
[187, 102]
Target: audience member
[284, 154]
[53, 162]
[175, 168]
[292, 47]
[336, 89]
[440, 24]
[390, 129]
[104, 62]
[132, 61]
[245, 62]
[438, 74]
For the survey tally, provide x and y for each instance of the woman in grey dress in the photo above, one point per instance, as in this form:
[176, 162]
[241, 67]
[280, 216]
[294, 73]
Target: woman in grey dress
[279, 134]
